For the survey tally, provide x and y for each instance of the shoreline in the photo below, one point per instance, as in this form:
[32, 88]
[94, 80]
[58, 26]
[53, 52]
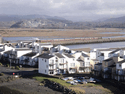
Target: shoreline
[91, 41]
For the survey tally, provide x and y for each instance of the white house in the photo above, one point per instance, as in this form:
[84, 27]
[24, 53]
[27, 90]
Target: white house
[72, 63]
[23, 44]
[15, 56]
[47, 64]
[120, 70]
[114, 53]
[61, 64]
[30, 59]
[60, 49]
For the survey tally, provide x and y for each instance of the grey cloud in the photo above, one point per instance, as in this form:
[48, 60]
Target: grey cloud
[74, 9]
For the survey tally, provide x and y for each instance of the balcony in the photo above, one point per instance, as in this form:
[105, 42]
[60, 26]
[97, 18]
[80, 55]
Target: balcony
[51, 64]
[62, 63]
[51, 69]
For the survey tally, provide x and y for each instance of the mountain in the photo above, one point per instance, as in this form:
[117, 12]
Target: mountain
[116, 20]
[8, 18]
[49, 22]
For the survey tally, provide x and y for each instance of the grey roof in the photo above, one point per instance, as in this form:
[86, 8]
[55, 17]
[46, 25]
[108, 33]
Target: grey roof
[114, 51]
[7, 52]
[1, 45]
[45, 55]
[109, 59]
[30, 54]
[22, 49]
[113, 65]
[95, 59]
[121, 61]
[108, 49]
[69, 56]
[85, 55]
[1, 50]
[59, 55]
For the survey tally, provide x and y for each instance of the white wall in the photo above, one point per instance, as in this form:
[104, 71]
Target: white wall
[20, 53]
[92, 55]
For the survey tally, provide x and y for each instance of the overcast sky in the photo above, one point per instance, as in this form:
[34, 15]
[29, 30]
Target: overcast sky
[77, 10]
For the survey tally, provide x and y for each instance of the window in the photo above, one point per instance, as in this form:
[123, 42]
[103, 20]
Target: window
[72, 64]
[45, 71]
[119, 65]
[46, 66]
[87, 58]
[51, 72]
[45, 60]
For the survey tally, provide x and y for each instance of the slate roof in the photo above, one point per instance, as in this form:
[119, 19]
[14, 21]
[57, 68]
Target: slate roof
[22, 49]
[85, 55]
[69, 56]
[114, 51]
[7, 52]
[121, 61]
[30, 54]
[45, 55]
[59, 55]
[113, 65]
[108, 59]
[95, 59]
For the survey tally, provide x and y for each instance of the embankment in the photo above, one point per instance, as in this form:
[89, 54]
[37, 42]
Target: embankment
[89, 41]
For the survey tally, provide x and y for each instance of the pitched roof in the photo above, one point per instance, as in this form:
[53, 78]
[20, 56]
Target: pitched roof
[114, 51]
[108, 59]
[69, 56]
[45, 55]
[121, 61]
[30, 54]
[113, 65]
[59, 55]
[85, 55]
[22, 49]
[7, 52]
[95, 59]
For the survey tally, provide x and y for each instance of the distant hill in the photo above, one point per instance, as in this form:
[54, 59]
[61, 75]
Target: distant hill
[116, 20]
[55, 22]
[25, 17]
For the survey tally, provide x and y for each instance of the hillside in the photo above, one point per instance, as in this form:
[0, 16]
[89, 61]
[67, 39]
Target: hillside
[116, 20]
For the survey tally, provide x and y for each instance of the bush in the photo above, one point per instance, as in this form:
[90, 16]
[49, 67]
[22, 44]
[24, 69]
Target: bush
[13, 68]
[8, 65]
[1, 74]
[17, 67]
[1, 64]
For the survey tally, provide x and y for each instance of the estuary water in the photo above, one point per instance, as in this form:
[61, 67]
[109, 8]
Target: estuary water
[95, 45]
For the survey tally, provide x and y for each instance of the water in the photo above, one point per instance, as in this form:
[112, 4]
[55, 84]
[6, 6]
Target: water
[112, 33]
[98, 45]
[114, 37]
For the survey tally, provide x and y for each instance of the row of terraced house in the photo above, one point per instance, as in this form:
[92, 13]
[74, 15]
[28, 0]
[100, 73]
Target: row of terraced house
[111, 63]
[52, 60]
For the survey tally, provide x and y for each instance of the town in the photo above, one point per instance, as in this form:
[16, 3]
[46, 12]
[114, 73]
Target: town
[53, 60]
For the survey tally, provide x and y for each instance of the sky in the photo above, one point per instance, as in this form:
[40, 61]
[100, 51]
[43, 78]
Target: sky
[76, 10]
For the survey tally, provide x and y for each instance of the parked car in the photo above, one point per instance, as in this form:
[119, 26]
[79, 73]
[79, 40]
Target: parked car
[72, 82]
[84, 82]
[91, 80]
[79, 81]
[65, 79]
[70, 78]
[75, 81]
[80, 78]
[98, 81]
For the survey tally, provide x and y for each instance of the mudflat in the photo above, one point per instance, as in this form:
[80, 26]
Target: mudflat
[63, 33]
